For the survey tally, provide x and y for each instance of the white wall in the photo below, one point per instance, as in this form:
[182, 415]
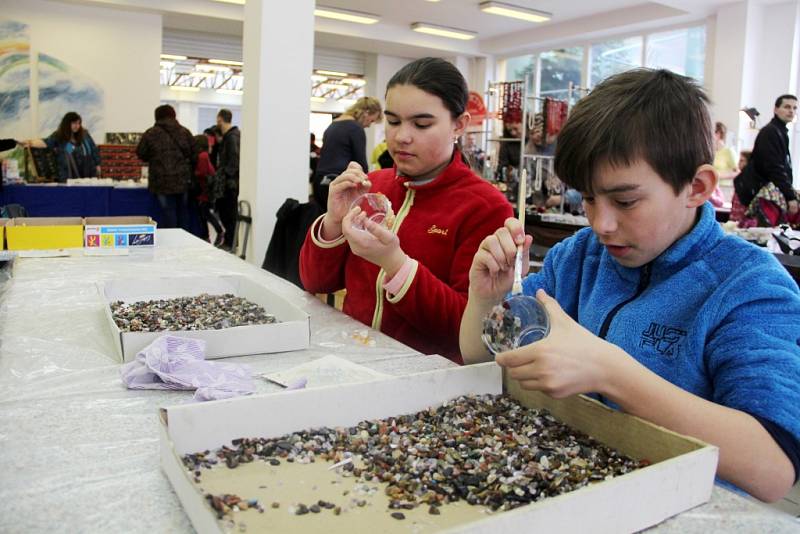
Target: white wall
[379, 70]
[119, 50]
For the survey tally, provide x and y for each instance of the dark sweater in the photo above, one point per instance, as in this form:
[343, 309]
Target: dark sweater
[344, 141]
[771, 161]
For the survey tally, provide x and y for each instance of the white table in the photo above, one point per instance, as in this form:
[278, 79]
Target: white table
[79, 452]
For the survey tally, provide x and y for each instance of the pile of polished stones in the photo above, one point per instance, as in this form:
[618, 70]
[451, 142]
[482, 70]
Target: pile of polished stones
[486, 450]
[501, 328]
[203, 312]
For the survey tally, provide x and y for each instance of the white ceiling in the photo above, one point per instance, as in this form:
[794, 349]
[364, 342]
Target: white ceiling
[571, 20]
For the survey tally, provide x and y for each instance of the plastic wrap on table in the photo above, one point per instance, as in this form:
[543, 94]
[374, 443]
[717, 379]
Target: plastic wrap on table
[79, 452]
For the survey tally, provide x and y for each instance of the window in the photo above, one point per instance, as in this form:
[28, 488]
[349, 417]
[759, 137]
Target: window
[517, 68]
[558, 69]
[613, 57]
[681, 51]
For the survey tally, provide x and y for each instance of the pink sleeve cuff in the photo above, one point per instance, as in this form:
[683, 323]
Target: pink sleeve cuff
[397, 282]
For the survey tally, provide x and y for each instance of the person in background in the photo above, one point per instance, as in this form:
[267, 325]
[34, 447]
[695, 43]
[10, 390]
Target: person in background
[654, 309]
[379, 149]
[765, 184]
[474, 154]
[228, 174]
[214, 142]
[171, 154]
[724, 156]
[313, 157]
[76, 153]
[409, 280]
[344, 141]
[205, 202]
[509, 153]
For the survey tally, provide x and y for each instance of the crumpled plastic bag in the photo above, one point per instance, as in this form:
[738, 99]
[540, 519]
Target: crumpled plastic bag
[172, 362]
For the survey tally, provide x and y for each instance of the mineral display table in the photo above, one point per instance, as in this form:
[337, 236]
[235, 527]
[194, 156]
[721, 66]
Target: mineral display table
[79, 452]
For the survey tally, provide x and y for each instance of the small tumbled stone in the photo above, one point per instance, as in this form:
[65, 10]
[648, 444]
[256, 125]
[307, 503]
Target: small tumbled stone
[433, 510]
[301, 509]
[314, 508]
[274, 461]
[276, 505]
[398, 515]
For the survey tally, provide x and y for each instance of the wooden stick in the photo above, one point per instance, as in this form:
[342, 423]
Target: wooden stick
[523, 181]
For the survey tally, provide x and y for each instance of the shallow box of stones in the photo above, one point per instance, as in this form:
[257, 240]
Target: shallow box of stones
[291, 332]
[680, 474]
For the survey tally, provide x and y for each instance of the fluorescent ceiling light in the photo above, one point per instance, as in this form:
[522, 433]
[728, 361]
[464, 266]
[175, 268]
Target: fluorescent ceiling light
[515, 12]
[335, 86]
[230, 91]
[346, 15]
[184, 88]
[332, 73]
[319, 99]
[199, 74]
[238, 2]
[226, 62]
[212, 68]
[355, 81]
[173, 57]
[443, 31]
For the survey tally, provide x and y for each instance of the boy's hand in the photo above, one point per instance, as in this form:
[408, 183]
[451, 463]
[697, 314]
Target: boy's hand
[341, 194]
[377, 244]
[570, 360]
[492, 273]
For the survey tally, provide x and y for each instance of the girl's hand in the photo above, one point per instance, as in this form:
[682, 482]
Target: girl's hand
[375, 243]
[341, 194]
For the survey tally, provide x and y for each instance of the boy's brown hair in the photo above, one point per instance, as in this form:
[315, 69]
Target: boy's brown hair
[642, 114]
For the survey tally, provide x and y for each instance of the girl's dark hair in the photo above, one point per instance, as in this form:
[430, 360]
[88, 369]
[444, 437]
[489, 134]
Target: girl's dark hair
[64, 132]
[437, 77]
[202, 142]
[642, 114]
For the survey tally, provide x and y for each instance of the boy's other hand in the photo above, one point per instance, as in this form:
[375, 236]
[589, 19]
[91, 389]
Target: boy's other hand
[567, 362]
[492, 273]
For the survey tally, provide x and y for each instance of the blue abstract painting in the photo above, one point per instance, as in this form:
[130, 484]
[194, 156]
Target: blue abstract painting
[63, 89]
[15, 80]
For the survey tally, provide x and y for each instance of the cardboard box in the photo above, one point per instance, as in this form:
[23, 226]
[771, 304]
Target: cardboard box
[681, 476]
[291, 333]
[119, 232]
[3, 223]
[41, 233]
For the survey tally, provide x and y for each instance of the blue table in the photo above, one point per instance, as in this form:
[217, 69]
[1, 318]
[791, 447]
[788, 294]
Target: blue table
[86, 201]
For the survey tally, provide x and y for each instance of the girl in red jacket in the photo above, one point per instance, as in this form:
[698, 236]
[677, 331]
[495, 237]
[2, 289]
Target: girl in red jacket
[409, 280]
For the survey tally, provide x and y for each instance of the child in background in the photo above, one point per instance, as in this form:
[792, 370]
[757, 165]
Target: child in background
[203, 195]
[654, 308]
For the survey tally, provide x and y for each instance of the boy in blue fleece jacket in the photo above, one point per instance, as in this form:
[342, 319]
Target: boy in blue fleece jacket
[653, 307]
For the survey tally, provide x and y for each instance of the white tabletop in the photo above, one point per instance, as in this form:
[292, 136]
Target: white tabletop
[79, 452]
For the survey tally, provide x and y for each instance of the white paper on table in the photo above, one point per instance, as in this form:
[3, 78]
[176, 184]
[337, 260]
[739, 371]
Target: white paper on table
[326, 371]
[106, 252]
[51, 253]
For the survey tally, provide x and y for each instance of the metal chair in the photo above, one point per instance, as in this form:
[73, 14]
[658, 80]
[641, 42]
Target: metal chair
[244, 215]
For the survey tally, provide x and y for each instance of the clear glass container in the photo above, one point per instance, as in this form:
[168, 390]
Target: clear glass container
[520, 320]
[376, 206]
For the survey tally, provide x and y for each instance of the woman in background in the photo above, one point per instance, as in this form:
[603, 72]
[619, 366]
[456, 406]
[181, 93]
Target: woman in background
[344, 141]
[76, 153]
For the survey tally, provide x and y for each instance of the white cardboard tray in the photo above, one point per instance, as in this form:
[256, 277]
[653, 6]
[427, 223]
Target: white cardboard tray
[291, 333]
[680, 478]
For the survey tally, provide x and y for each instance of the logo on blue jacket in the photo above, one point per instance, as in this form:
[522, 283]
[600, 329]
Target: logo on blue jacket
[664, 339]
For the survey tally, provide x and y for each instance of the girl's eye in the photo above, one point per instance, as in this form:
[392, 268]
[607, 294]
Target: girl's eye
[588, 200]
[422, 126]
[393, 123]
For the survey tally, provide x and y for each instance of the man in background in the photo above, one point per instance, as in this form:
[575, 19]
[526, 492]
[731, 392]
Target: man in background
[228, 173]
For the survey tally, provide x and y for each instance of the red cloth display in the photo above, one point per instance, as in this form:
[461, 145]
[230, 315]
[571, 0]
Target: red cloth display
[555, 115]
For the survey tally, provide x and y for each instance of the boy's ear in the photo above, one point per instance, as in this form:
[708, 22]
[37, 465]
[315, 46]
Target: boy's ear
[703, 185]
